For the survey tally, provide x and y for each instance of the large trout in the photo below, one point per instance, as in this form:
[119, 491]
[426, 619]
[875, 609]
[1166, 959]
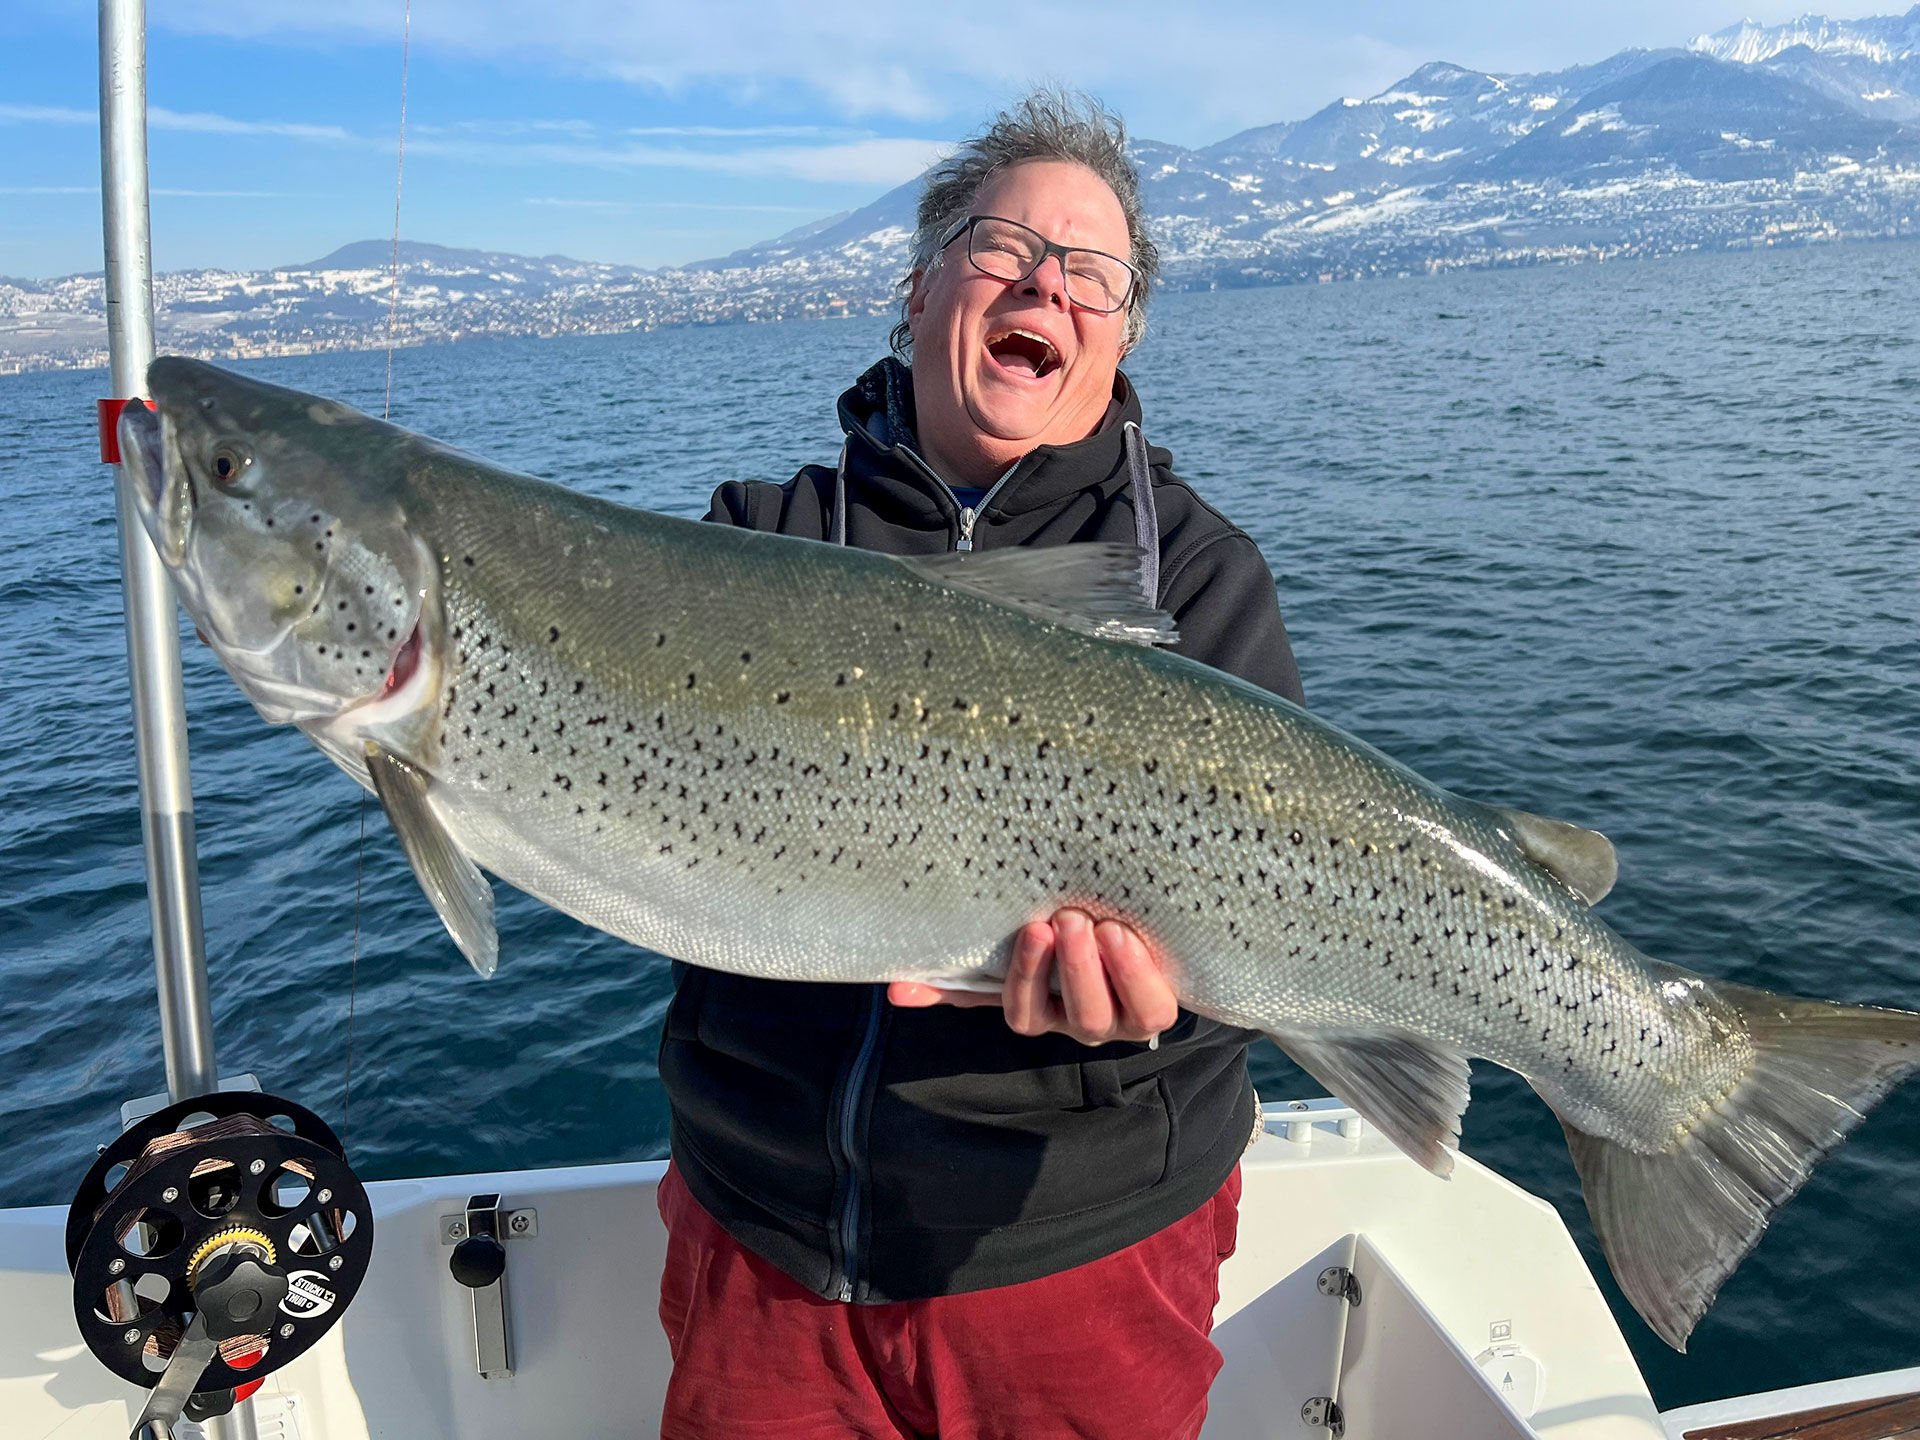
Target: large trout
[786, 759]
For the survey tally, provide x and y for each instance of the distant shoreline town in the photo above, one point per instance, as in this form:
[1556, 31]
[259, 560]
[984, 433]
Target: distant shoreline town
[1756, 136]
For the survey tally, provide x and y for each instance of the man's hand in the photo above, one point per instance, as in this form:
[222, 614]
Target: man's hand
[1110, 987]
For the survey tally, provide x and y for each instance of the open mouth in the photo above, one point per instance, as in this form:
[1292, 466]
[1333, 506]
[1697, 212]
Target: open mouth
[140, 449]
[1023, 353]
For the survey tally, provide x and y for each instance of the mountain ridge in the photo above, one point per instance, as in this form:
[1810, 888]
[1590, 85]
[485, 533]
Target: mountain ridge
[1800, 132]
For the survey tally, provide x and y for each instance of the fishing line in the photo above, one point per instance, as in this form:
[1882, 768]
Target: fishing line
[399, 173]
[386, 413]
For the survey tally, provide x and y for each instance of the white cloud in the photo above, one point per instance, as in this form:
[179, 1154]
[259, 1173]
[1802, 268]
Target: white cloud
[505, 127]
[869, 160]
[745, 132]
[1215, 63]
[47, 115]
[878, 161]
[561, 202]
[161, 118]
[159, 192]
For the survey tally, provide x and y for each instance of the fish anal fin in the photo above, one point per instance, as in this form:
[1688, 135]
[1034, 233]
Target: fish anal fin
[1094, 588]
[459, 892]
[1675, 1224]
[1582, 860]
[1412, 1089]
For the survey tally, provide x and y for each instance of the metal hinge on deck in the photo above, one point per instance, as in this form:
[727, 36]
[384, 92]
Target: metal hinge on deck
[1338, 1282]
[1324, 1413]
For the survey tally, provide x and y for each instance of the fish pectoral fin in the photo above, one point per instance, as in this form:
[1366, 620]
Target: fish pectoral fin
[1674, 1224]
[1094, 588]
[1413, 1090]
[1582, 860]
[459, 892]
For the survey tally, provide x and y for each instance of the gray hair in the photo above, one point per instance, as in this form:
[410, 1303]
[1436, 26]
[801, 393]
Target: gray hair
[1046, 125]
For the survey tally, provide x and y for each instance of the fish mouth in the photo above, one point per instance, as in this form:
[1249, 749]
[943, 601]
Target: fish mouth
[143, 449]
[159, 493]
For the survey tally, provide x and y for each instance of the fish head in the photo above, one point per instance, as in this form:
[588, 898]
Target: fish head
[282, 520]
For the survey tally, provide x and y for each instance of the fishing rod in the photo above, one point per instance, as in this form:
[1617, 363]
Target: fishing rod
[222, 1235]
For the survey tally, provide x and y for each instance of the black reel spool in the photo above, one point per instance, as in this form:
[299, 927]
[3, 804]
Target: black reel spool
[254, 1206]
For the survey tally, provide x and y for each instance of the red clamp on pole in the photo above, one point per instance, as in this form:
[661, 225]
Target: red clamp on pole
[108, 412]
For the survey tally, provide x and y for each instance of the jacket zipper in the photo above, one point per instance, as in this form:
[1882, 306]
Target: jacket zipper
[854, 1095]
[971, 513]
[851, 1098]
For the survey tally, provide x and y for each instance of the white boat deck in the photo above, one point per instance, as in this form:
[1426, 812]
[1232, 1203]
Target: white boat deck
[1476, 1318]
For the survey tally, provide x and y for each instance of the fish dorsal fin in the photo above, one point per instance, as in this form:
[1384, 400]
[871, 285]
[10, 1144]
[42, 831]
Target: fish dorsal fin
[1413, 1090]
[1094, 588]
[1582, 860]
[459, 892]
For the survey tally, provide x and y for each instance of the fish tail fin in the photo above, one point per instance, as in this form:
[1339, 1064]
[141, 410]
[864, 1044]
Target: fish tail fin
[1675, 1225]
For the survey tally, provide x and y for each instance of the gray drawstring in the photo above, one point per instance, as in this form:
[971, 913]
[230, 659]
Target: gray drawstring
[839, 535]
[1146, 519]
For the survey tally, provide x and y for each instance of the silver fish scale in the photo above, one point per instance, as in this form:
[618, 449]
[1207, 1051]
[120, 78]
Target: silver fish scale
[746, 784]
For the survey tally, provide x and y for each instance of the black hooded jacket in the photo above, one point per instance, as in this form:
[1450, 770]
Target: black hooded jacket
[876, 1153]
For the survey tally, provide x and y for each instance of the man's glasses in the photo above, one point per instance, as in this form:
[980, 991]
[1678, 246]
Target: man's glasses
[1008, 250]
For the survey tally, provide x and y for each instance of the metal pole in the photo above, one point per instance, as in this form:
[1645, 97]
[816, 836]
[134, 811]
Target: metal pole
[153, 637]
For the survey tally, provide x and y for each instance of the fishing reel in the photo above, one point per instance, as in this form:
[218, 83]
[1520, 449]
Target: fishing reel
[210, 1244]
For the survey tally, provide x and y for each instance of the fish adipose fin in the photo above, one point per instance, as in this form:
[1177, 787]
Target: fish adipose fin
[459, 892]
[1412, 1090]
[1675, 1225]
[1582, 860]
[1092, 588]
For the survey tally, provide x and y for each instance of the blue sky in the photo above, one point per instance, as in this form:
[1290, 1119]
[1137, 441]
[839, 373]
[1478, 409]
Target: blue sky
[652, 134]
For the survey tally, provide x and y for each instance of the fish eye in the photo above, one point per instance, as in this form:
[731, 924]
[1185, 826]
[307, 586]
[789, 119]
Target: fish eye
[229, 463]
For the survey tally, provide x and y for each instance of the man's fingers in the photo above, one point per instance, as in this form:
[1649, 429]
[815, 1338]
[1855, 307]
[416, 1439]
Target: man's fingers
[1085, 997]
[1147, 1004]
[911, 995]
[1109, 987]
[1027, 996]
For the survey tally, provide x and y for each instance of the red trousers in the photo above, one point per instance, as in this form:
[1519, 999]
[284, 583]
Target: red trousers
[1116, 1347]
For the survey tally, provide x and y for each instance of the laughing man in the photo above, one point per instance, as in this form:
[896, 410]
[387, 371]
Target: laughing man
[907, 1212]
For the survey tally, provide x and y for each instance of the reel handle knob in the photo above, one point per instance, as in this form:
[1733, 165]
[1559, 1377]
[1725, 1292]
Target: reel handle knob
[478, 1261]
[238, 1296]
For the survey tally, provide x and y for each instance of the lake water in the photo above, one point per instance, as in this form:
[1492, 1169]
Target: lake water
[1634, 545]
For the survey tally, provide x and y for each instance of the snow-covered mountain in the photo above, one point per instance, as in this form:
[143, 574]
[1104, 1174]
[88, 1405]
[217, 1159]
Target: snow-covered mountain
[1872, 65]
[1754, 135]
[1705, 119]
[1880, 38]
